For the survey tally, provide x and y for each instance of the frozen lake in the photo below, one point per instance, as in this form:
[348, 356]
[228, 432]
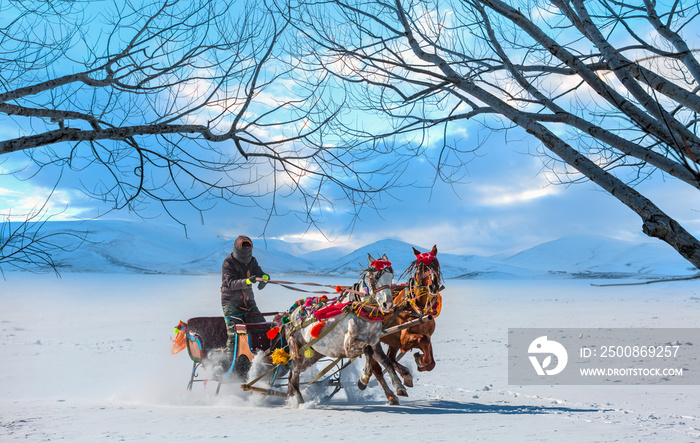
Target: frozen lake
[86, 358]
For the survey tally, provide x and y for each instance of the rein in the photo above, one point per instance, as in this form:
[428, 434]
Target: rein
[338, 289]
[286, 284]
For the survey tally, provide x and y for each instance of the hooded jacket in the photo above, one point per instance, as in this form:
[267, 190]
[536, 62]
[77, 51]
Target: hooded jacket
[234, 290]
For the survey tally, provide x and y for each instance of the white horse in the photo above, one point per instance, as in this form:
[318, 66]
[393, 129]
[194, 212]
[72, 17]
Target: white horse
[345, 334]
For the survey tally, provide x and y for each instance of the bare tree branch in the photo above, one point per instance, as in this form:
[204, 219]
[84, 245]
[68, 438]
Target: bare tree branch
[607, 109]
[174, 103]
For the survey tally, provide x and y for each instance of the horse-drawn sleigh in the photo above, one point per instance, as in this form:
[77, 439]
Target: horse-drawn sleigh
[332, 332]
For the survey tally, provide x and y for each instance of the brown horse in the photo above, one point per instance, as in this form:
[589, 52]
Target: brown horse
[418, 297]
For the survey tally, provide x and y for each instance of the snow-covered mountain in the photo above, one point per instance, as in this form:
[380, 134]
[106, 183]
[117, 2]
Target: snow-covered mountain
[135, 247]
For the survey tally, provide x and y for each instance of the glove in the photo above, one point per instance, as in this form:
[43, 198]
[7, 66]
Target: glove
[249, 282]
[263, 281]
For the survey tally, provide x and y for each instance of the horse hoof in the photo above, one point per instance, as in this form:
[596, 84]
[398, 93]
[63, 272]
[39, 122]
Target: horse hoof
[408, 382]
[393, 401]
[361, 385]
[295, 401]
[402, 392]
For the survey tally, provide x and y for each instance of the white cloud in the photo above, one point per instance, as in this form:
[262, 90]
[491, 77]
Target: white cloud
[503, 195]
[27, 201]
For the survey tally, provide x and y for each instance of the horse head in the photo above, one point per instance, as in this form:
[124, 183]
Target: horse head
[427, 270]
[378, 279]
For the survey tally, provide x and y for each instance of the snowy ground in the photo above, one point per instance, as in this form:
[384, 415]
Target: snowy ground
[86, 358]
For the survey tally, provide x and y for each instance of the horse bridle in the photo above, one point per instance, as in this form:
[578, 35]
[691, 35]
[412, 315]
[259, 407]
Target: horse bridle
[429, 271]
[414, 289]
[373, 281]
[372, 286]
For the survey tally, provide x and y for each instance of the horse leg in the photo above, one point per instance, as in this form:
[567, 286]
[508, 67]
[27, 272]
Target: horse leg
[293, 382]
[378, 373]
[402, 370]
[381, 357]
[355, 347]
[367, 370]
[425, 362]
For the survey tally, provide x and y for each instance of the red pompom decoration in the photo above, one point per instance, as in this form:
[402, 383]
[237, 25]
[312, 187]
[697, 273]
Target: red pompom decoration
[272, 333]
[425, 258]
[317, 329]
[338, 289]
[380, 264]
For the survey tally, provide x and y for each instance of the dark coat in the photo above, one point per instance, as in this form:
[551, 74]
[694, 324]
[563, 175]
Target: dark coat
[234, 290]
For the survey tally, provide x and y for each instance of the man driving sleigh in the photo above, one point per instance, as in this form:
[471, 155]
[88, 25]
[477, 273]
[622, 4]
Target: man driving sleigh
[238, 274]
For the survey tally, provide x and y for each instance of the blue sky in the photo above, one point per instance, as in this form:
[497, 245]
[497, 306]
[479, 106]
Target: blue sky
[504, 202]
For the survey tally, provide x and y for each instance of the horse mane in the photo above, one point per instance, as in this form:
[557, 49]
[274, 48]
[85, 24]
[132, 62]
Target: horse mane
[438, 270]
[416, 265]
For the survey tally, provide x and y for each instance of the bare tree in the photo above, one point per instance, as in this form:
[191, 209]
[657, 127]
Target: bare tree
[609, 88]
[172, 102]
[25, 245]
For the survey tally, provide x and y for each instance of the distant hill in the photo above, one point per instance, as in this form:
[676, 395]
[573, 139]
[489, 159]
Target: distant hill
[133, 247]
[591, 256]
[398, 252]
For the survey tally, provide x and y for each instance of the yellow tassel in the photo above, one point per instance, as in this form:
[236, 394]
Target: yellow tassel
[309, 353]
[280, 357]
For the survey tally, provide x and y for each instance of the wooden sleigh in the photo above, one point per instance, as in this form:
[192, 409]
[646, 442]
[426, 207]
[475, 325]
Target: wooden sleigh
[205, 340]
